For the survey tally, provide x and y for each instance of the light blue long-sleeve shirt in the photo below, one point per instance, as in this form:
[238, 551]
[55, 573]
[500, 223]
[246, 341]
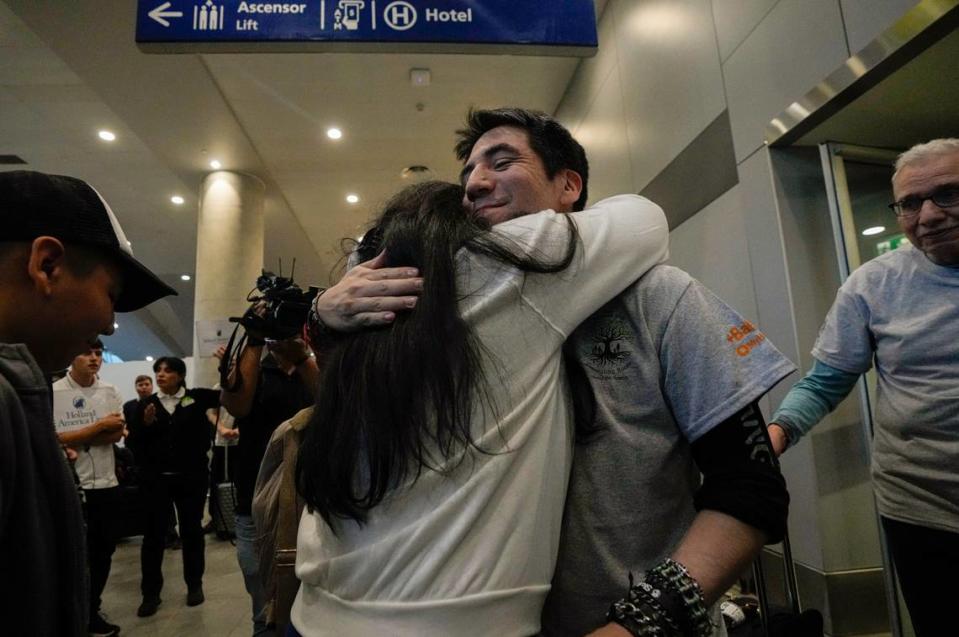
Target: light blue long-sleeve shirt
[810, 399]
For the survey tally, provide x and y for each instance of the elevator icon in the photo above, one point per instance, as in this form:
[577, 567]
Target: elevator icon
[208, 16]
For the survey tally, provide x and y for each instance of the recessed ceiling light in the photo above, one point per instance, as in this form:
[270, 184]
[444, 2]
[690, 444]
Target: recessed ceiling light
[420, 77]
[416, 172]
[215, 164]
[351, 198]
[106, 136]
[149, 359]
[184, 277]
[873, 230]
[334, 133]
[116, 325]
[177, 199]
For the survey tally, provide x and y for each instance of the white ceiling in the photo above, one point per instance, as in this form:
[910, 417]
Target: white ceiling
[68, 69]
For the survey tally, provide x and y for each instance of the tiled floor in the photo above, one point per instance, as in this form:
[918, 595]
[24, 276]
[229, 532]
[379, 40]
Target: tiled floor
[226, 612]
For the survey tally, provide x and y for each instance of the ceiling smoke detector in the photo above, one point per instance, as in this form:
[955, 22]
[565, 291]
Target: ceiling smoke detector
[416, 172]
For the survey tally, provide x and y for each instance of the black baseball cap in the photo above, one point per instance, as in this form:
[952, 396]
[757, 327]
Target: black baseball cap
[34, 204]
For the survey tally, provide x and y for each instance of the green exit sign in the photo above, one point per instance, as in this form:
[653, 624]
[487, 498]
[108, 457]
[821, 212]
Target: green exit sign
[891, 243]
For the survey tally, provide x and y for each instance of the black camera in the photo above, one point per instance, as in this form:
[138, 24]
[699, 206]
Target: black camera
[286, 307]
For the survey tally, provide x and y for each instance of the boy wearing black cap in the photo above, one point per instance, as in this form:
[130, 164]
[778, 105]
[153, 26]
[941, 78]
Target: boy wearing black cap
[65, 267]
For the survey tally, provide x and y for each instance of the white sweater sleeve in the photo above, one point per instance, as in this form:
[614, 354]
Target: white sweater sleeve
[620, 239]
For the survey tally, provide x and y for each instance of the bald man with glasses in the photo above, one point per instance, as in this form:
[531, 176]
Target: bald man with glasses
[900, 313]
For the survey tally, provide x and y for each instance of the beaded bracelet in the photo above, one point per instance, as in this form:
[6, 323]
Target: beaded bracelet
[639, 619]
[669, 575]
[318, 331]
[666, 605]
[641, 613]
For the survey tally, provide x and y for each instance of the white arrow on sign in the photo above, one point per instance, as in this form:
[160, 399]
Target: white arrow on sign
[161, 12]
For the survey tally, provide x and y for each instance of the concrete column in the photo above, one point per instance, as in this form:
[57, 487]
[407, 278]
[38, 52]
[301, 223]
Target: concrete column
[229, 256]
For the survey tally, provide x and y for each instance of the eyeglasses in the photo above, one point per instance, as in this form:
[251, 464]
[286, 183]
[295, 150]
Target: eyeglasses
[944, 197]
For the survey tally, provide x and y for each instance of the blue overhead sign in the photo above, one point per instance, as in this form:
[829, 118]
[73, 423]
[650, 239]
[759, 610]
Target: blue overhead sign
[536, 27]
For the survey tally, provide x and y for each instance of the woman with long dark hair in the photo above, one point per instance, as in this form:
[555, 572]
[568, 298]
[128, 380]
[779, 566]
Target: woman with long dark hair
[434, 468]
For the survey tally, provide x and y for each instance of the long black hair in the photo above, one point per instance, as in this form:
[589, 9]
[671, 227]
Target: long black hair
[396, 400]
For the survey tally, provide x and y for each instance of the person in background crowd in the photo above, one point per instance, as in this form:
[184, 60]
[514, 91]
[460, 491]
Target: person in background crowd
[144, 388]
[143, 384]
[899, 312]
[174, 437]
[65, 267]
[95, 467]
[267, 389]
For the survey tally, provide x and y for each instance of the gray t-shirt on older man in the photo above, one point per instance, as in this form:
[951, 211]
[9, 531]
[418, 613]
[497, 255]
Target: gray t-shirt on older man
[666, 361]
[900, 312]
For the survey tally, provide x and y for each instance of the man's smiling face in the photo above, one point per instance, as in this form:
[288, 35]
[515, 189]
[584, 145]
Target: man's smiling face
[504, 178]
[933, 229]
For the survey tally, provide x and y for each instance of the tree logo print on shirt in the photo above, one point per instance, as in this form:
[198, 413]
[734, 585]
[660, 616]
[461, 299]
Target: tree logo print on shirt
[608, 349]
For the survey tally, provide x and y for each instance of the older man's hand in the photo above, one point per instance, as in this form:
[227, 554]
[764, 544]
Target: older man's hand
[778, 438]
[369, 295]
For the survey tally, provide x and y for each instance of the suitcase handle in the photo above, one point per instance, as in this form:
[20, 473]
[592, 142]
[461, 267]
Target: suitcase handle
[792, 584]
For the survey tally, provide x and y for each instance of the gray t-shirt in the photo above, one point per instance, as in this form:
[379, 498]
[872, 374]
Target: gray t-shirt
[666, 361]
[900, 312]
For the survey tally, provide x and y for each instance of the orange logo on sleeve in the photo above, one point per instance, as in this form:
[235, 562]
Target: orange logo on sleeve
[740, 336]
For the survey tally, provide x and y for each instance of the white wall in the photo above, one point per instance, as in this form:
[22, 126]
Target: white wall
[665, 69]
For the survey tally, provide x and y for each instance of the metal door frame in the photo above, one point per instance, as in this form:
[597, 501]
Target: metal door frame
[833, 157]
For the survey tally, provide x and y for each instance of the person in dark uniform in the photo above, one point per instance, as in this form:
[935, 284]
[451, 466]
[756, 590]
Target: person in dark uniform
[144, 388]
[173, 437]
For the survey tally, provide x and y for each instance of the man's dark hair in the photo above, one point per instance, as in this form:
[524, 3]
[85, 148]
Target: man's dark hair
[392, 402]
[173, 363]
[142, 377]
[97, 344]
[548, 138]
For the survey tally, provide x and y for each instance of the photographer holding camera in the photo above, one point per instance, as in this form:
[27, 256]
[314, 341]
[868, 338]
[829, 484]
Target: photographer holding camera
[263, 390]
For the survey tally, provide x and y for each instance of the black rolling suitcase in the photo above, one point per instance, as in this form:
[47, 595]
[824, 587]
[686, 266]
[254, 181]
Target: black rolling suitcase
[790, 621]
[223, 510]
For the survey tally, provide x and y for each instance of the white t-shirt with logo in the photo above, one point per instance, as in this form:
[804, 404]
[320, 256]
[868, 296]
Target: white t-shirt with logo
[75, 407]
